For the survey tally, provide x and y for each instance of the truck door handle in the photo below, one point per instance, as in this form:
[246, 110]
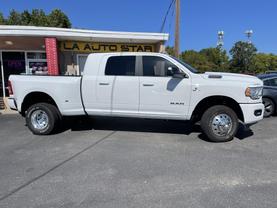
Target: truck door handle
[148, 85]
[104, 83]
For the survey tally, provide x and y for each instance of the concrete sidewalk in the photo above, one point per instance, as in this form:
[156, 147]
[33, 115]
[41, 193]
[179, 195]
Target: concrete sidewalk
[7, 111]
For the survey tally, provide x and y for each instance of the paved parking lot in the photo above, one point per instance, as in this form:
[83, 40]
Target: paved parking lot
[136, 163]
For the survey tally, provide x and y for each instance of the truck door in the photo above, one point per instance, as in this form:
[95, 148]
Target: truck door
[113, 88]
[161, 95]
[125, 93]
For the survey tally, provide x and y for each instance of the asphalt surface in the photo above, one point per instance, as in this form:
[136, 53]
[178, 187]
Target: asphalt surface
[136, 163]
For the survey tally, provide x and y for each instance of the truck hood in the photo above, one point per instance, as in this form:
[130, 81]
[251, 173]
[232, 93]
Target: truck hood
[222, 76]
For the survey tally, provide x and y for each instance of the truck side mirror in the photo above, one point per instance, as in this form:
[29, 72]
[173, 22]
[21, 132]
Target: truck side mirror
[177, 73]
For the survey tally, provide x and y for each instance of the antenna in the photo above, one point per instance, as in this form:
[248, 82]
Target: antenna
[249, 34]
[220, 38]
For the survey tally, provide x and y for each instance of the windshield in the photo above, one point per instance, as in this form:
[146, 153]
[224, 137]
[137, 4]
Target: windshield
[189, 67]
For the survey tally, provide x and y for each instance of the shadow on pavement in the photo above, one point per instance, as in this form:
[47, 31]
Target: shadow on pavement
[141, 125]
[129, 124]
[244, 132]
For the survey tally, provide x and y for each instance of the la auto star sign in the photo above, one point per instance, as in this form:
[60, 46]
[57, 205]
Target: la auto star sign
[104, 47]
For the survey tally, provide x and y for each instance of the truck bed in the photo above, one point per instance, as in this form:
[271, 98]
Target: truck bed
[65, 90]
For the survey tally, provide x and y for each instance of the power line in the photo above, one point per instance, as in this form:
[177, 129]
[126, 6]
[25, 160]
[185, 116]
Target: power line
[166, 15]
[170, 23]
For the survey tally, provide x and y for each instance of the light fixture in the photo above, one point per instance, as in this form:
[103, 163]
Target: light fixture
[8, 42]
[42, 46]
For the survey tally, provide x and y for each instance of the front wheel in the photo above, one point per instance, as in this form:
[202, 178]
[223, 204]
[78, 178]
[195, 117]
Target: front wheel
[42, 118]
[219, 123]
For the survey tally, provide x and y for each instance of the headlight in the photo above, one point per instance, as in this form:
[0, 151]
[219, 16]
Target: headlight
[254, 93]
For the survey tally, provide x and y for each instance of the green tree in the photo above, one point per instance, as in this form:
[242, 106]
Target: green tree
[242, 57]
[169, 50]
[197, 60]
[217, 57]
[38, 18]
[263, 62]
[2, 19]
[25, 17]
[58, 19]
[14, 18]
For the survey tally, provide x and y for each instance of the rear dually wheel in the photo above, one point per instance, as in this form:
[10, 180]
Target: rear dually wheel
[42, 118]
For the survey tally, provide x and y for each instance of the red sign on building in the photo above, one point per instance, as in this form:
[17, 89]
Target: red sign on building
[52, 56]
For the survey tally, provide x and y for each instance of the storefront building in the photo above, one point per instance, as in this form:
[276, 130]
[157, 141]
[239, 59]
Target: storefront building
[58, 51]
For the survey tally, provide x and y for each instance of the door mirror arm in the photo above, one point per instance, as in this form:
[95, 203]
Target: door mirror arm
[179, 75]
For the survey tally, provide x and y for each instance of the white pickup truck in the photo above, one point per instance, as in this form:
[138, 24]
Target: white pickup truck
[141, 85]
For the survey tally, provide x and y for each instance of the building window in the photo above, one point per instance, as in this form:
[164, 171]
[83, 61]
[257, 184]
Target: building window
[36, 55]
[13, 63]
[37, 63]
[81, 61]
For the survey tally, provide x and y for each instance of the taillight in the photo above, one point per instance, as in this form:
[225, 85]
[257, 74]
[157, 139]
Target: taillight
[10, 88]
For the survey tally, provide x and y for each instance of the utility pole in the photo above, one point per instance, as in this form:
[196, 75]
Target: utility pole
[177, 30]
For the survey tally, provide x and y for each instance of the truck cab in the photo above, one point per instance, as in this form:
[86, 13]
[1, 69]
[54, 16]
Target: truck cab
[136, 85]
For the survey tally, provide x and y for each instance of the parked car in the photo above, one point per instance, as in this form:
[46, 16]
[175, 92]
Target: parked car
[271, 72]
[144, 85]
[269, 93]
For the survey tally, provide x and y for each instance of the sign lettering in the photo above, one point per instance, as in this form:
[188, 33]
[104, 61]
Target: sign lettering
[88, 47]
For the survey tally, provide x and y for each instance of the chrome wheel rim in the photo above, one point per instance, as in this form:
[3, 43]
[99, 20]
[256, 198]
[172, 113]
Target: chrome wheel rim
[222, 125]
[268, 108]
[39, 119]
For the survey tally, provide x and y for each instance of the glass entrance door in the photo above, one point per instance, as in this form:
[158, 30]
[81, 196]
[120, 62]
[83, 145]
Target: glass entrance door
[13, 63]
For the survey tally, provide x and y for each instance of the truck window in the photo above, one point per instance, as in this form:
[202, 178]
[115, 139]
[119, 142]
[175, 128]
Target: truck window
[271, 82]
[189, 67]
[121, 66]
[156, 66]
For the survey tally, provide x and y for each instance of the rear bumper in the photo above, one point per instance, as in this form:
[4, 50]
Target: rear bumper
[252, 113]
[12, 103]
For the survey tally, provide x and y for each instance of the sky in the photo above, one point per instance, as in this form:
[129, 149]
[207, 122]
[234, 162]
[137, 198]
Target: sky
[200, 19]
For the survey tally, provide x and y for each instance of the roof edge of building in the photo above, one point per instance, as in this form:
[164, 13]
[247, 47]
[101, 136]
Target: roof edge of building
[14, 30]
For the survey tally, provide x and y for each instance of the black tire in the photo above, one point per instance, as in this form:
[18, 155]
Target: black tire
[51, 113]
[269, 107]
[212, 130]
